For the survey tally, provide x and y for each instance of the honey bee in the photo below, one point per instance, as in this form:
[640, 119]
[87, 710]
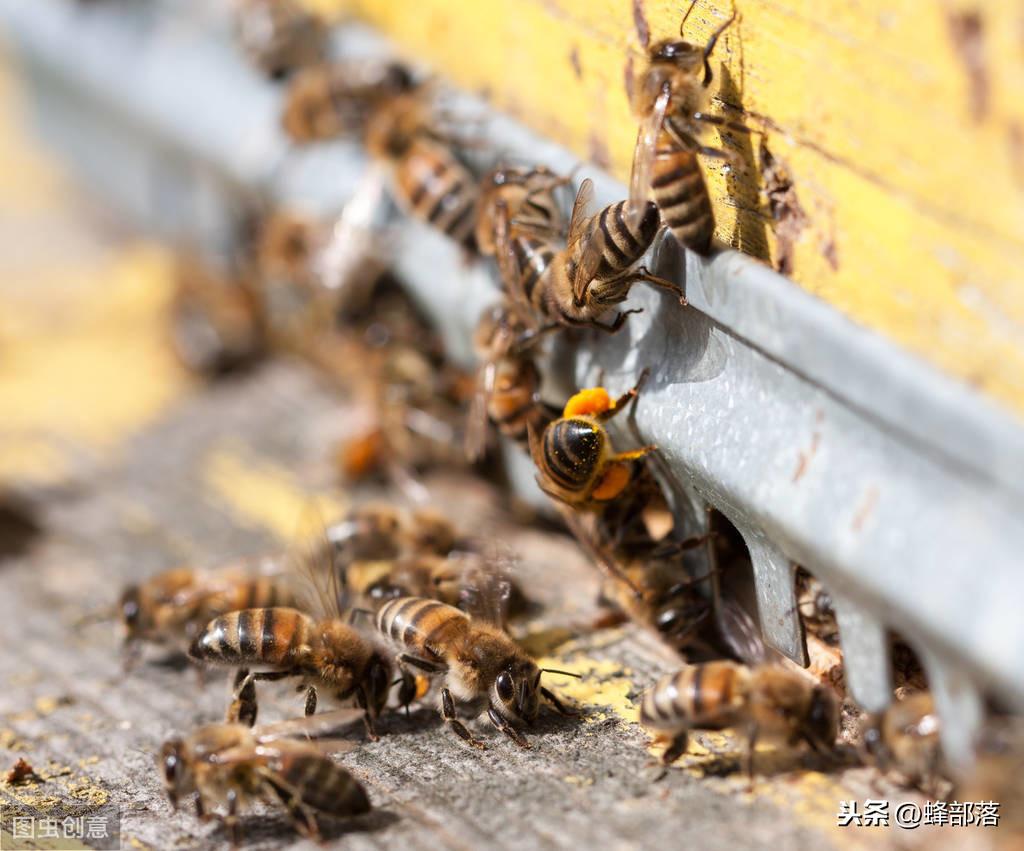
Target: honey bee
[480, 664]
[430, 182]
[576, 462]
[279, 36]
[330, 101]
[226, 765]
[905, 737]
[217, 320]
[284, 643]
[769, 701]
[669, 99]
[172, 607]
[596, 269]
[318, 273]
[525, 198]
[508, 379]
[814, 604]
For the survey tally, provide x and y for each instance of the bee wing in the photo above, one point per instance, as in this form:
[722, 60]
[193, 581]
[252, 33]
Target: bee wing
[593, 239]
[590, 260]
[320, 747]
[740, 632]
[644, 154]
[312, 726]
[508, 263]
[313, 561]
[580, 209]
[476, 421]
[485, 582]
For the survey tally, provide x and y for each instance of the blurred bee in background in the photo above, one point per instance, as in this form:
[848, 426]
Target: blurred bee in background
[172, 607]
[324, 653]
[670, 97]
[482, 667]
[336, 100]
[315, 272]
[526, 200]
[995, 776]
[216, 318]
[279, 36]
[814, 604]
[767, 701]
[228, 765]
[905, 738]
[430, 182]
[507, 381]
[597, 268]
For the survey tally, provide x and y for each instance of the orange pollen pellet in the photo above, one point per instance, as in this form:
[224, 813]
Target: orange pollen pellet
[613, 482]
[592, 400]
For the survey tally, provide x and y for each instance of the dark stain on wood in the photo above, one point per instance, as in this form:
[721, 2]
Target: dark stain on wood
[784, 206]
[19, 526]
[967, 33]
[574, 61]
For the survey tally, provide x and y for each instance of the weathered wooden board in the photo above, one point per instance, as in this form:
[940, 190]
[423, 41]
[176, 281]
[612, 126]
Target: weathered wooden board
[900, 126]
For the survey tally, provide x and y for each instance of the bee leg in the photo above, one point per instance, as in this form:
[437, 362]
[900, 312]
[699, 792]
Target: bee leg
[448, 714]
[676, 748]
[231, 820]
[243, 708]
[201, 812]
[642, 274]
[752, 732]
[368, 721]
[616, 325]
[406, 690]
[310, 700]
[559, 707]
[302, 819]
[620, 404]
[507, 728]
[422, 664]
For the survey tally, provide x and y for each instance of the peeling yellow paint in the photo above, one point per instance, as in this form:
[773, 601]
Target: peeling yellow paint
[266, 494]
[907, 161]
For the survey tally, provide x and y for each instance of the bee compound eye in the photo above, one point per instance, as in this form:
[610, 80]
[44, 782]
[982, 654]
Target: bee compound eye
[506, 689]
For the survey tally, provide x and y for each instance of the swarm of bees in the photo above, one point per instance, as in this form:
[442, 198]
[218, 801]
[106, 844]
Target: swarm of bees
[389, 603]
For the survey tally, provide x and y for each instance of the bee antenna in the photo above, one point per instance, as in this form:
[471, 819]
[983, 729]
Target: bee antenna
[563, 673]
[682, 23]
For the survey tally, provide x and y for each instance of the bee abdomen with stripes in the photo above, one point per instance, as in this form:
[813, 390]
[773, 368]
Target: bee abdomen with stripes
[438, 189]
[677, 184]
[625, 240]
[271, 637]
[322, 785]
[422, 625]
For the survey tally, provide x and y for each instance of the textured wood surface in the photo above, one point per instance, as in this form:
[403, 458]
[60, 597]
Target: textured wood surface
[897, 129]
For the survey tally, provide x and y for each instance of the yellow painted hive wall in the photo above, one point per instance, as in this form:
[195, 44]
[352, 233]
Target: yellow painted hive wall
[900, 125]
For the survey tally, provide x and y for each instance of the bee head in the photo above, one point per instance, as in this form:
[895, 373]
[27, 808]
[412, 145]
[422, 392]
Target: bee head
[873, 743]
[131, 612]
[172, 766]
[822, 720]
[683, 55]
[516, 691]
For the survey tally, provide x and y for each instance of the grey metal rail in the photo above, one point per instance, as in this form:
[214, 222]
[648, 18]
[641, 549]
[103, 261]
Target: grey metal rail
[899, 488]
